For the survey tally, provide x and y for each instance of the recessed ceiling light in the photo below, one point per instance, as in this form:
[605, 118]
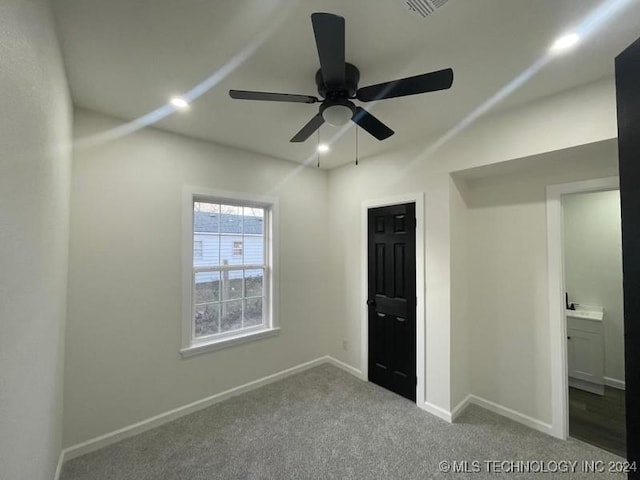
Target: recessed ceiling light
[565, 42]
[180, 103]
[323, 147]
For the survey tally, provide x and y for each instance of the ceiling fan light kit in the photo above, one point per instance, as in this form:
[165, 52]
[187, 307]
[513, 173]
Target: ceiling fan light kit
[337, 84]
[337, 113]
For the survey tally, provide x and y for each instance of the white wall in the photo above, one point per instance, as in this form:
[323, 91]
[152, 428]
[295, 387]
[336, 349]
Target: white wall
[511, 360]
[124, 314]
[506, 271]
[577, 117]
[124, 322]
[348, 188]
[593, 265]
[460, 318]
[34, 199]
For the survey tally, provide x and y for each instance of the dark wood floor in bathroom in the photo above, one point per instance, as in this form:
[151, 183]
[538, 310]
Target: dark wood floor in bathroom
[598, 420]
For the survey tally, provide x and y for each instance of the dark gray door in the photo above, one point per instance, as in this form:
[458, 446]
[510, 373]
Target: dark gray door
[628, 99]
[392, 298]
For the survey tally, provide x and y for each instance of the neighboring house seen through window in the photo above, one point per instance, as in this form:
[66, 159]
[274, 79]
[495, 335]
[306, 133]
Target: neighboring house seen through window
[231, 275]
[197, 248]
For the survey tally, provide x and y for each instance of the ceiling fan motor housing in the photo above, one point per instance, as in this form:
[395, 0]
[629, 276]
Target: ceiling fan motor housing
[347, 90]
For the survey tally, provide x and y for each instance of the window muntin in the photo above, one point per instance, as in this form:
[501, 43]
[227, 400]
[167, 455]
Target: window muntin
[230, 277]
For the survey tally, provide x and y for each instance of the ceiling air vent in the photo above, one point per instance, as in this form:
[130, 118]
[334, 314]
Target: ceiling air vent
[423, 8]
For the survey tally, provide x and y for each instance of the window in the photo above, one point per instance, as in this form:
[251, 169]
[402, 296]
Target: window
[229, 276]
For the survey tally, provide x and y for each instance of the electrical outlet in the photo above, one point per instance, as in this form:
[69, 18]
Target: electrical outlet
[345, 344]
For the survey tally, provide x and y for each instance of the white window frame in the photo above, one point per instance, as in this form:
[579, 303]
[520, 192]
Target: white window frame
[192, 345]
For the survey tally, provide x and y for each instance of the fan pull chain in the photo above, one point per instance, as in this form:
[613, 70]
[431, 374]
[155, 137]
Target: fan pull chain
[356, 146]
[318, 148]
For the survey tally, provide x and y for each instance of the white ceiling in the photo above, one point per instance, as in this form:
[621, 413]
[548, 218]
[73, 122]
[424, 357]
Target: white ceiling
[127, 57]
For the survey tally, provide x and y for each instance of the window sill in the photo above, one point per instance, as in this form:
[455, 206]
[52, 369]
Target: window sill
[218, 344]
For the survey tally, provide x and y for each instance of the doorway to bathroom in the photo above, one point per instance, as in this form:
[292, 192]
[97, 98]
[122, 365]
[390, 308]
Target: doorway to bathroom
[586, 245]
[594, 316]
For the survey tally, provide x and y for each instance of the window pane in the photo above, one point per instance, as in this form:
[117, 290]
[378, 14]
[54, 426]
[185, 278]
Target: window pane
[197, 248]
[231, 284]
[206, 318]
[229, 239]
[253, 220]
[253, 250]
[207, 287]
[230, 219]
[206, 225]
[228, 250]
[253, 283]
[210, 251]
[231, 316]
[252, 312]
[205, 216]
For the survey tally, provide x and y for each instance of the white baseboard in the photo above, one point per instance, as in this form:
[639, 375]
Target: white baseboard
[426, 406]
[346, 367]
[56, 476]
[468, 400]
[615, 383]
[158, 420]
[153, 422]
[436, 410]
[595, 388]
[459, 408]
[504, 411]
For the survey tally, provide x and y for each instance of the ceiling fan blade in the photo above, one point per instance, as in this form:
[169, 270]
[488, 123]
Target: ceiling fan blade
[306, 131]
[371, 124]
[271, 97]
[427, 82]
[329, 32]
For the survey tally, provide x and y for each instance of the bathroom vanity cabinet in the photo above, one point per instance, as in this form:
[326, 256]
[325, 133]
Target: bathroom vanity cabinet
[585, 349]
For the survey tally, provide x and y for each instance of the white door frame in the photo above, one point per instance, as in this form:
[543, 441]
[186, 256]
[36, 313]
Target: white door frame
[418, 199]
[555, 269]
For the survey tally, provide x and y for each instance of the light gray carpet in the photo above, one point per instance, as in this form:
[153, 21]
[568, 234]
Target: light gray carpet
[321, 424]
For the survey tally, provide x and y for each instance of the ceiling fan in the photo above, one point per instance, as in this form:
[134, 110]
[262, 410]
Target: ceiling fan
[337, 83]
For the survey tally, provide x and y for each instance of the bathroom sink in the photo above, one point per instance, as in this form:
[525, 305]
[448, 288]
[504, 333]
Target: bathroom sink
[586, 313]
